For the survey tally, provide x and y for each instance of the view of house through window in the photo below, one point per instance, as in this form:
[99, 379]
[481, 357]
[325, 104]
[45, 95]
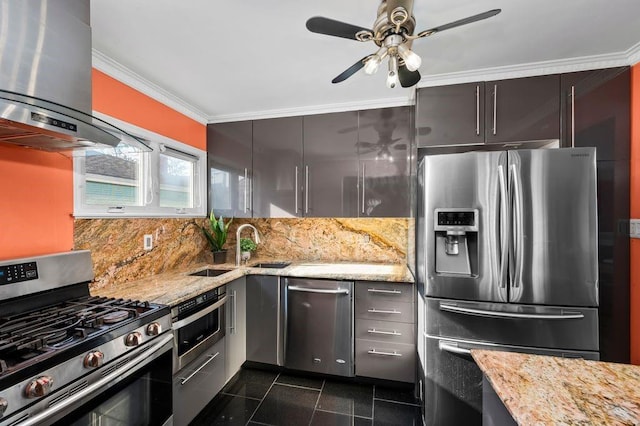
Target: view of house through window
[113, 177]
[176, 180]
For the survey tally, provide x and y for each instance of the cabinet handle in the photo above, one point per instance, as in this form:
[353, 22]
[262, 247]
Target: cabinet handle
[383, 311]
[363, 175]
[389, 333]
[246, 176]
[377, 290]
[296, 189]
[306, 187]
[375, 352]
[495, 108]
[573, 116]
[234, 306]
[477, 110]
[197, 370]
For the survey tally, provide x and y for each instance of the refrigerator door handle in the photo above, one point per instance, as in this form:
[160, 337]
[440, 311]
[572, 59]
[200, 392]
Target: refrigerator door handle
[517, 234]
[509, 315]
[503, 227]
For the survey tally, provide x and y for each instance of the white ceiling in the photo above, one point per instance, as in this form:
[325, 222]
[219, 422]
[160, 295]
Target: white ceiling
[240, 59]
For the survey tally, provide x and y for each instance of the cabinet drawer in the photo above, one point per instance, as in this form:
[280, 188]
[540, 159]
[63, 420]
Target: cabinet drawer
[374, 291]
[385, 331]
[384, 310]
[196, 384]
[389, 361]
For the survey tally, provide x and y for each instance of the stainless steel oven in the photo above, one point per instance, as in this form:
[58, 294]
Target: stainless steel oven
[198, 324]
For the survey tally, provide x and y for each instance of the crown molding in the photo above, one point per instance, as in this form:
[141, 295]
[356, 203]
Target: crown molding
[107, 65]
[634, 54]
[314, 109]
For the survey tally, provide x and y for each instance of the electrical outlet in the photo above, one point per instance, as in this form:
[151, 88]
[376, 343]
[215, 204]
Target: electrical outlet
[147, 242]
[634, 228]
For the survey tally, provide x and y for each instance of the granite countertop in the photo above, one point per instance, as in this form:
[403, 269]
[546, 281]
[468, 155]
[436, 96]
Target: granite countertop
[543, 390]
[171, 288]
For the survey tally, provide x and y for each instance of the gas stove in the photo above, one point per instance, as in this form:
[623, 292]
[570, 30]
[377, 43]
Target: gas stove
[57, 341]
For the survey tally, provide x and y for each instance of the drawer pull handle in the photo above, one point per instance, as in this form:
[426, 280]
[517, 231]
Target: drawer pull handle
[377, 290]
[383, 311]
[204, 364]
[390, 333]
[375, 352]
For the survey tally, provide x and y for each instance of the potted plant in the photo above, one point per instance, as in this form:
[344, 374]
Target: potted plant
[217, 237]
[247, 245]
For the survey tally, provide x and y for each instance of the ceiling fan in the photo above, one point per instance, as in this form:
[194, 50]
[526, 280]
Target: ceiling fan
[393, 33]
[384, 127]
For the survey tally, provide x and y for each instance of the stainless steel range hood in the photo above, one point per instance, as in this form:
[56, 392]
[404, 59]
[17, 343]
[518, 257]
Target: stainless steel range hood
[45, 78]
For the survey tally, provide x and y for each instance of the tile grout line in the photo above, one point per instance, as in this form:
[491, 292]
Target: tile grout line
[262, 400]
[398, 402]
[240, 396]
[298, 386]
[317, 401]
[344, 414]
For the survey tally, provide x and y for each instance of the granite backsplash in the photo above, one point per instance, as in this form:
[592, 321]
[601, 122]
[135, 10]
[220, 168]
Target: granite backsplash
[178, 244]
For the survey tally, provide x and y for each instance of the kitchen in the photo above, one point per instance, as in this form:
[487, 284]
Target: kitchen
[40, 179]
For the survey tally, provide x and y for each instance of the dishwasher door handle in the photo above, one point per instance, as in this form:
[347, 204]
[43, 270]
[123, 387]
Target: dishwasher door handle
[318, 290]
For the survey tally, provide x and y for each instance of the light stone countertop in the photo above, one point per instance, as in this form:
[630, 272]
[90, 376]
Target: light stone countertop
[545, 390]
[172, 288]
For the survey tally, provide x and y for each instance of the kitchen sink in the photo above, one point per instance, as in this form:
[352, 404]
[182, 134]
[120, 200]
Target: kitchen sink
[211, 272]
[272, 265]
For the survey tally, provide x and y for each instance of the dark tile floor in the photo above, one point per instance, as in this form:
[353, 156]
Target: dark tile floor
[257, 397]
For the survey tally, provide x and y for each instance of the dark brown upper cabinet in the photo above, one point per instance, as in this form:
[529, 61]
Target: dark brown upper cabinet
[277, 167]
[384, 148]
[523, 109]
[229, 152]
[450, 115]
[595, 111]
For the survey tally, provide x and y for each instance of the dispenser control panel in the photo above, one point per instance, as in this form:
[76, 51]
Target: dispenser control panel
[464, 220]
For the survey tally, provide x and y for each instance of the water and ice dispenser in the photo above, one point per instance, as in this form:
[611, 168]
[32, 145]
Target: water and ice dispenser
[456, 241]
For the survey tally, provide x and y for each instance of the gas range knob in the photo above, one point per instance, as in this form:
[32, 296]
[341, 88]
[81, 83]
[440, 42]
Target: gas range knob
[4, 404]
[93, 359]
[39, 387]
[154, 329]
[133, 339]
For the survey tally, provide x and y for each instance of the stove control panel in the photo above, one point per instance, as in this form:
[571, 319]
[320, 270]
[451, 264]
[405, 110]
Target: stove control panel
[10, 274]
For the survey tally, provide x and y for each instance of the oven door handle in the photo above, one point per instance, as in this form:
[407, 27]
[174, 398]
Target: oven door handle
[141, 359]
[195, 317]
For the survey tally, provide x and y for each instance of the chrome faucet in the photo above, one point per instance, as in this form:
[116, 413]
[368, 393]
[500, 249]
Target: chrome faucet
[256, 237]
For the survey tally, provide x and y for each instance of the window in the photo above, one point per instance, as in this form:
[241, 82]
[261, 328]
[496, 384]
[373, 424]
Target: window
[121, 182]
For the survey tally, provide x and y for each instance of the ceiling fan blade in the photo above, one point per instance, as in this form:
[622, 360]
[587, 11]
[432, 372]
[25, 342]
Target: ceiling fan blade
[350, 71]
[321, 25]
[365, 144]
[465, 21]
[408, 78]
[400, 147]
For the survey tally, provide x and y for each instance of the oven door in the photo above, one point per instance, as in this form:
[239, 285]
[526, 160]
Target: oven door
[136, 390]
[196, 332]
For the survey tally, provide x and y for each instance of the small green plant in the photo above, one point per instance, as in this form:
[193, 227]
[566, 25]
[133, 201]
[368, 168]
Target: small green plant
[217, 232]
[247, 244]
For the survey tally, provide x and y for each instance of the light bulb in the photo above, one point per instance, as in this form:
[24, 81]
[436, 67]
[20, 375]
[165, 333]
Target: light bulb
[392, 77]
[372, 64]
[411, 59]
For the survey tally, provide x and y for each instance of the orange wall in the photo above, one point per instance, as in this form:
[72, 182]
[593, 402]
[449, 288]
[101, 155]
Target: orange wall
[36, 188]
[635, 213]
[124, 103]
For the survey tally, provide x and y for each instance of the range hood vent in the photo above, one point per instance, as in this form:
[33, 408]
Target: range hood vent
[45, 79]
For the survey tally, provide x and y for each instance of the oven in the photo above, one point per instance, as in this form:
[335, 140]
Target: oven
[198, 324]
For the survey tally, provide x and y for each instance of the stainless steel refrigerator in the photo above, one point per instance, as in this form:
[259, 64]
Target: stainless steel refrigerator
[507, 260]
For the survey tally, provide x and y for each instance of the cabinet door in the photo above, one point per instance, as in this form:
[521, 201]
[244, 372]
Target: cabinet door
[264, 325]
[330, 175]
[235, 318]
[450, 115]
[384, 142]
[595, 106]
[277, 164]
[229, 147]
[523, 109]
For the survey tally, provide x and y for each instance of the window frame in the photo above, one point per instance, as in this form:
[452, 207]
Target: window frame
[149, 179]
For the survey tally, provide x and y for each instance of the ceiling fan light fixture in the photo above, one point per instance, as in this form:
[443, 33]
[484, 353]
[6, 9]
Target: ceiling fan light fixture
[373, 63]
[392, 77]
[410, 58]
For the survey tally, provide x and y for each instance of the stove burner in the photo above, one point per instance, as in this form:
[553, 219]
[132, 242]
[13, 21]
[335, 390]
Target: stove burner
[56, 336]
[114, 317]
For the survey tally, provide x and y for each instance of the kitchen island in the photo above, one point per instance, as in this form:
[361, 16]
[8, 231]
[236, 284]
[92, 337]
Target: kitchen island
[543, 390]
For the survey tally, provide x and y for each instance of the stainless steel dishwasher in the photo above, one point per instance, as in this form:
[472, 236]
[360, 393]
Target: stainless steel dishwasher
[319, 334]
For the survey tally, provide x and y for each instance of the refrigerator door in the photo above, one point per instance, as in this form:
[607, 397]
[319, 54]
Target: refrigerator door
[473, 183]
[554, 255]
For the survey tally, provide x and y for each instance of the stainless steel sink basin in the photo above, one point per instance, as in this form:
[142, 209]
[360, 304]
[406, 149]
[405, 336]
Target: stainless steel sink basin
[272, 265]
[211, 272]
